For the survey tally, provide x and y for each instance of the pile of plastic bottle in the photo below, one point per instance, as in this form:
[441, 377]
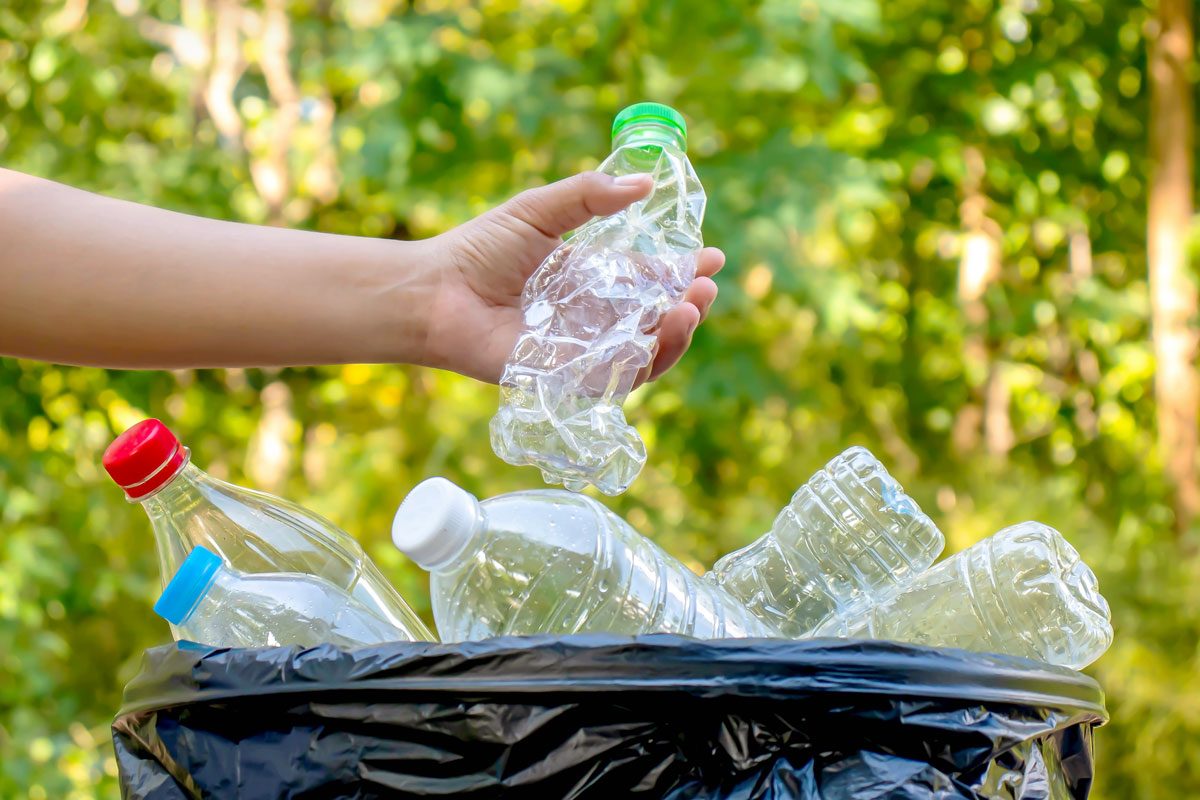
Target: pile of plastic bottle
[850, 556]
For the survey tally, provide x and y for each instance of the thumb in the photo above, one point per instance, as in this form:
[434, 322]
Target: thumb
[567, 204]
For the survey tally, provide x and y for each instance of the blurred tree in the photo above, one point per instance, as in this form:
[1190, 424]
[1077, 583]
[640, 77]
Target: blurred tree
[1172, 288]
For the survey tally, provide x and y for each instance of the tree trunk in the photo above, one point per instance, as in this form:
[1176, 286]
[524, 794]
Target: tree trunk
[979, 268]
[1173, 293]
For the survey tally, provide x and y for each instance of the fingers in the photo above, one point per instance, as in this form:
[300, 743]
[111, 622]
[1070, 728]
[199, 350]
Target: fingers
[675, 333]
[709, 262]
[674, 337]
[643, 374]
[567, 204]
[702, 294]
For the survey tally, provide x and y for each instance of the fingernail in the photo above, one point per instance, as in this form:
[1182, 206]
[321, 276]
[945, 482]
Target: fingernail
[630, 180]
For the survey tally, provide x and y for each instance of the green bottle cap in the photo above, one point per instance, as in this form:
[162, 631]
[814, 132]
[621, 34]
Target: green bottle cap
[649, 112]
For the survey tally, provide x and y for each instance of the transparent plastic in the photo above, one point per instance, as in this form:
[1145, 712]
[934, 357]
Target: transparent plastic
[282, 609]
[554, 562]
[849, 537]
[1024, 592]
[591, 312]
[254, 532]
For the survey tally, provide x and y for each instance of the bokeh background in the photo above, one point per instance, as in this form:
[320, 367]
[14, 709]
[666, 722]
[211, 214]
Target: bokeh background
[935, 214]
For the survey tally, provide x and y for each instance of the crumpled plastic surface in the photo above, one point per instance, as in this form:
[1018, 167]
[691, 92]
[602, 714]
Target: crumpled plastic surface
[848, 539]
[1031, 593]
[605, 717]
[590, 310]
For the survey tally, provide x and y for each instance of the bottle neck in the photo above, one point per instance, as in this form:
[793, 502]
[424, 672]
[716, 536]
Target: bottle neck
[472, 541]
[169, 508]
[651, 137]
[211, 596]
[178, 494]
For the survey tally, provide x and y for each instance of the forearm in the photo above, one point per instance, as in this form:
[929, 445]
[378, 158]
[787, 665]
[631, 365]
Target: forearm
[86, 279]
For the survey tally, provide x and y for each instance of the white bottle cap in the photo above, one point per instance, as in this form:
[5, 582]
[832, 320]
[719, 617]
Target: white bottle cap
[435, 522]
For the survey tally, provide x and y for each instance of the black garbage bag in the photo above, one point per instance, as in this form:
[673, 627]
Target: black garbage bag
[606, 717]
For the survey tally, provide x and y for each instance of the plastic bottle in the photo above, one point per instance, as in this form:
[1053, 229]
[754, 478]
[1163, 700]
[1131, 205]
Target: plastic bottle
[211, 604]
[552, 562]
[849, 537]
[251, 531]
[591, 310]
[1024, 592]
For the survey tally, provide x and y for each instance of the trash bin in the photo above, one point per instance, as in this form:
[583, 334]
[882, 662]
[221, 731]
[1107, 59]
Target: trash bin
[606, 717]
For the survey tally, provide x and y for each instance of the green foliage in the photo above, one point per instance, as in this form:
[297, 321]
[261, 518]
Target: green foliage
[851, 150]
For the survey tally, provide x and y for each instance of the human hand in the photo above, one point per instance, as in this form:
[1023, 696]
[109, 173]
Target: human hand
[476, 315]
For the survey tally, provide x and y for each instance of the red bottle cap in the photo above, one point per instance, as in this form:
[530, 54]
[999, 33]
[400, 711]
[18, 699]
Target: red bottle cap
[144, 458]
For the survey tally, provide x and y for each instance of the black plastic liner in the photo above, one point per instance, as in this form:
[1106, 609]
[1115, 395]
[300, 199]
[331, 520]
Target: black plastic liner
[606, 717]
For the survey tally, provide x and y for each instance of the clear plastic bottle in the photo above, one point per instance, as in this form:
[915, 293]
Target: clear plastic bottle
[1024, 592]
[591, 312]
[552, 562]
[211, 604]
[849, 537]
[251, 531]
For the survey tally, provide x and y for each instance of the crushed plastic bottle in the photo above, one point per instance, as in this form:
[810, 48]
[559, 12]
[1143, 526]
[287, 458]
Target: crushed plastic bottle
[849, 537]
[553, 562]
[591, 314]
[211, 604]
[251, 531]
[1023, 592]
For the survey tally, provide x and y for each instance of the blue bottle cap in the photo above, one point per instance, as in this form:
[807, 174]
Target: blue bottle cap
[188, 587]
